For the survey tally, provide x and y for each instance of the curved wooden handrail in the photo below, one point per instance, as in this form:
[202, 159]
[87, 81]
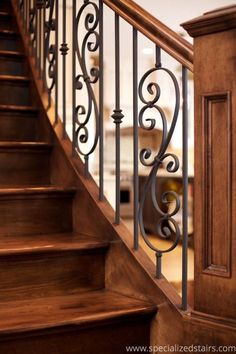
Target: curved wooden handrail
[155, 30]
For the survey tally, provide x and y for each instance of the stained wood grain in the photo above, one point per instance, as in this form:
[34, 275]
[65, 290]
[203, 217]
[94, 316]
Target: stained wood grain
[78, 309]
[25, 163]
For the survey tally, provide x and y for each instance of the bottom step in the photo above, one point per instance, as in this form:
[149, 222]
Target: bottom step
[101, 322]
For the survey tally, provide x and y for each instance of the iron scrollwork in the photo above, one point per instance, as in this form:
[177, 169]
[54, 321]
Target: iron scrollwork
[87, 78]
[166, 225]
[32, 25]
[50, 49]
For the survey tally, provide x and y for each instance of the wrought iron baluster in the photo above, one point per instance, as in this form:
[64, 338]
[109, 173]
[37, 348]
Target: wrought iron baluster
[50, 49]
[37, 34]
[166, 225]
[32, 24]
[24, 15]
[27, 15]
[64, 49]
[85, 80]
[39, 6]
[21, 5]
[56, 58]
[185, 190]
[135, 137]
[117, 115]
[44, 46]
[101, 105]
[74, 78]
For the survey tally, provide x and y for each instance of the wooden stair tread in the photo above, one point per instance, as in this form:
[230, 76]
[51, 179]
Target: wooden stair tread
[8, 53]
[25, 145]
[21, 190]
[81, 309]
[4, 13]
[8, 32]
[14, 78]
[49, 243]
[16, 108]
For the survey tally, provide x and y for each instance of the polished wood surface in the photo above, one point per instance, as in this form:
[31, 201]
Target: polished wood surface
[27, 276]
[52, 297]
[18, 123]
[216, 21]
[35, 210]
[12, 63]
[34, 166]
[76, 309]
[50, 243]
[215, 173]
[15, 90]
[9, 40]
[155, 30]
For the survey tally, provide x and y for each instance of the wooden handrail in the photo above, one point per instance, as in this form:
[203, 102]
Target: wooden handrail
[155, 30]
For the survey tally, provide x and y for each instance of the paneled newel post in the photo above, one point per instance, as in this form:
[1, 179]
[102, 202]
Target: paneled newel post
[215, 166]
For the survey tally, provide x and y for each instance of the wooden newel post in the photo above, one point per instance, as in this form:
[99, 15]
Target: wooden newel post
[215, 161]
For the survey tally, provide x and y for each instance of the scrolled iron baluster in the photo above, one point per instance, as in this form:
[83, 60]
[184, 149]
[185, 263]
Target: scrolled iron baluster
[86, 79]
[50, 49]
[21, 5]
[166, 225]
[32, 25]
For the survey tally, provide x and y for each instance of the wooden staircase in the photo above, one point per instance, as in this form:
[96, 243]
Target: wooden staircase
[53, 297]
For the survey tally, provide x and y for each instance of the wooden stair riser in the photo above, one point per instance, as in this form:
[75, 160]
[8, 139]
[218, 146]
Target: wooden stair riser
[26, 215]
[5, 6]
[9, 41]
[6, 21]
[15, 93]
[25, 166]
[110, 338]
[38, 275]
[17, 126]
[12, 65]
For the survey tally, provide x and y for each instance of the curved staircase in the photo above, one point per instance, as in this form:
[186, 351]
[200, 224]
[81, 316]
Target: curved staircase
[53, 297]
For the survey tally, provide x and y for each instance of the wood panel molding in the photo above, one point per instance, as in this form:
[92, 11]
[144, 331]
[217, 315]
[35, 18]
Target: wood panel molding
[215, 21]
[217, 161]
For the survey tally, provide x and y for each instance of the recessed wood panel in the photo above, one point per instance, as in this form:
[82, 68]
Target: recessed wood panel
[217, 176]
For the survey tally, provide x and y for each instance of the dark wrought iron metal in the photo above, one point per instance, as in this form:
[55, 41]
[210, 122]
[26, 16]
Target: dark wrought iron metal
[41, 19]
[50, 49]
[117, 115]
[39, 6]
[21, 5]
[86, 80]
[101, 105]
[32, 25]
[185, 190]
[56, 57]
[166, 224]
[135, 137]
[64, 49]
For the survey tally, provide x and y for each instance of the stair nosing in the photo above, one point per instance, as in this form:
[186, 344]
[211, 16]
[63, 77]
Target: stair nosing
[14, 78]
[8, 53]
[9, 32]
[35, 190]
[144, 309]
[15, 145]
[5, 13]
[55, 247]
[17, 108]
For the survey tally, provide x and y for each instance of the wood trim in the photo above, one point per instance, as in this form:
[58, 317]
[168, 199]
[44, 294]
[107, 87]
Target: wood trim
[212, 321]
[155, 30]
[212, 260]
[219, 20]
